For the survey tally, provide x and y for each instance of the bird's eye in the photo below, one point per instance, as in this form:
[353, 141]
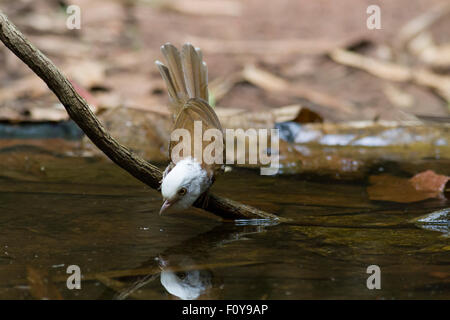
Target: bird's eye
[182, 191]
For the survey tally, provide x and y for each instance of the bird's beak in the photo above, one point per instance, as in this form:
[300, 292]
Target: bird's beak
[166, 205]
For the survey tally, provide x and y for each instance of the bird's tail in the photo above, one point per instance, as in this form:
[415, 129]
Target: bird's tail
[186, 74]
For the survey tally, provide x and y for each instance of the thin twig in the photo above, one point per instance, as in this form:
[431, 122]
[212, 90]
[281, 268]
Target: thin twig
[394, 72]
[417, 25]
[273, 83]
[271, 47]
[80, 112]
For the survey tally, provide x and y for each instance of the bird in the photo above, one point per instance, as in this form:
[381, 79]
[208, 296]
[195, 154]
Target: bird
[187, 178]
[184, 282]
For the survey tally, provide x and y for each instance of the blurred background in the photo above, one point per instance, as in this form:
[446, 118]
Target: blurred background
[261, 55]
[337, 79]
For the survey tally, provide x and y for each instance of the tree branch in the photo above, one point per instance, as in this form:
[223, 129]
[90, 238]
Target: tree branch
[80, 112]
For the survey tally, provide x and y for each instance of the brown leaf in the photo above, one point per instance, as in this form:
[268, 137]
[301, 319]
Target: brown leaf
[40, 286]
[440, 275]
[87, 73]
[422, 186]
[429, 181]
[308, 116]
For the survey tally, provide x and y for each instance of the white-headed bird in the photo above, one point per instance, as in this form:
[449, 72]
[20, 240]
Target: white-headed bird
[186, 76]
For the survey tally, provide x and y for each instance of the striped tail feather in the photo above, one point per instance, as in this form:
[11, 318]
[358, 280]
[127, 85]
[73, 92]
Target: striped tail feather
[185, 75]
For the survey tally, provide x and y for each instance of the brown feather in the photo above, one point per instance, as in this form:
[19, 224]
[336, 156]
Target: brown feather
[186, 78]
[198, 110]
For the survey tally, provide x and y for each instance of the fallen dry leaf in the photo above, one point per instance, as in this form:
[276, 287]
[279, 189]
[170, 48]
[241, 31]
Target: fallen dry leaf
[429, 181]
[40, 286]
[29, 86]
[440, 275]
[424, 185]
[87, 73]
[306, 115]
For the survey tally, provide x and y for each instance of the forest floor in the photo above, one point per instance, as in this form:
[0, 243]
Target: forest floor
[110, 59]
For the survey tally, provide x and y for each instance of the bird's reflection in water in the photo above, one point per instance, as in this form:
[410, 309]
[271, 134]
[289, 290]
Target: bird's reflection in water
[184, 273]
[185, 284]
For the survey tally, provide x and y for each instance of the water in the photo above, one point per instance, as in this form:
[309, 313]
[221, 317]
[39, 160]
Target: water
[57, 211]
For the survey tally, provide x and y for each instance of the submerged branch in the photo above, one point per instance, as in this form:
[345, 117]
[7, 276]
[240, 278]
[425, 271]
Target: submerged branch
[80, 112]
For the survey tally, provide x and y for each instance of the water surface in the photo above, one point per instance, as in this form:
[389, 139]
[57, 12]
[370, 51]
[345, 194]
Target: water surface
[57, 211]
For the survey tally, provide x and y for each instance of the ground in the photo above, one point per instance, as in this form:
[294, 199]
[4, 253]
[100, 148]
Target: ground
[111, 57]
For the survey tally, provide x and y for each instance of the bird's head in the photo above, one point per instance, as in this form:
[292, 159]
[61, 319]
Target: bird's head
[183, 185]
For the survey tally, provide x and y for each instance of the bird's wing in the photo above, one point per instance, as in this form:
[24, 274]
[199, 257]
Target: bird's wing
[186, 78]
[186, 75]
[198, 110]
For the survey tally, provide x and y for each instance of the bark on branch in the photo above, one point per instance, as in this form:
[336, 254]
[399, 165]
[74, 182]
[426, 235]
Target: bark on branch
[80, 112]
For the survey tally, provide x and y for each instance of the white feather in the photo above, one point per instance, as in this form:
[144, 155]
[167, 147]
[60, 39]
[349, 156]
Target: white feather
[192, 285]
[188, 174]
